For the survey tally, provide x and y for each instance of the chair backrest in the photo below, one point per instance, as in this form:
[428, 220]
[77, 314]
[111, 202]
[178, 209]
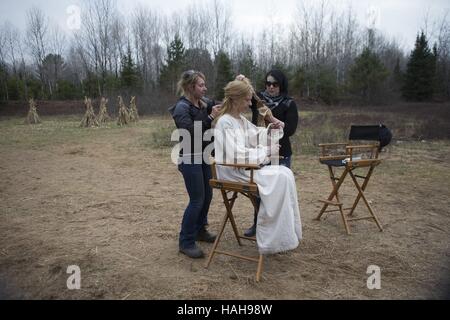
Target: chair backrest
[378, 133]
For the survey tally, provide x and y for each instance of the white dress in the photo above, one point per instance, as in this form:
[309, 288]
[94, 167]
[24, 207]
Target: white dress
[239, 141]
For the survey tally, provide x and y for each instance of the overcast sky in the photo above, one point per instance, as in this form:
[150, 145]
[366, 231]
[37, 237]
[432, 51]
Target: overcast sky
[399, 19]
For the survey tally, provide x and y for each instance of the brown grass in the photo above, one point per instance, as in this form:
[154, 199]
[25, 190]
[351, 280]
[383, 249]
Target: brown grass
[114, 209]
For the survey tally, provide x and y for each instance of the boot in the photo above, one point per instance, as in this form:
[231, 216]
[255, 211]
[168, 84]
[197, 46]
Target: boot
[194, 252]
[205, 236]
[250, 232]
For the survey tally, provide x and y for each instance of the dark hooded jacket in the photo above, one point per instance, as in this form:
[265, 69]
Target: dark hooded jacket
[284, 109]
[184, 113]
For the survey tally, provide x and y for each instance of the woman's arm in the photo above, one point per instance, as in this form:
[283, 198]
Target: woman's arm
[291, 122]
[233, 145]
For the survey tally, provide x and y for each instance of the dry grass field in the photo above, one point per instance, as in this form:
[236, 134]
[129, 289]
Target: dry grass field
[110, 200]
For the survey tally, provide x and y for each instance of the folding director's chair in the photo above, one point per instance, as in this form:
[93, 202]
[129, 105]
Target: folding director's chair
[351, 157]
[249, 190]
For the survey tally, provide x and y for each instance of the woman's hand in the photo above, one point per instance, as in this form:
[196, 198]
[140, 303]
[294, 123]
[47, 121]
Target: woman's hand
[276, 124]
[240, 77]
[215, 112]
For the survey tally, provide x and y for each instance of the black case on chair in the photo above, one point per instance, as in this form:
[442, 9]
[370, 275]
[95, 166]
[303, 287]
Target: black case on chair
[377, 132]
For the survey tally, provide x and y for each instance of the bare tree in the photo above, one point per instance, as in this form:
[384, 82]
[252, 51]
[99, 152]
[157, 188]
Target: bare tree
[11, 45]
[171, 26]
[440, 36]
[221, 28]
[76, 65]
[53, 63]
[3, 42]
[57, 41]
[197, 31]
[12, 52]
[147, 27]
[37, 33]
[95, 37]
[118, 43]
[3, 68]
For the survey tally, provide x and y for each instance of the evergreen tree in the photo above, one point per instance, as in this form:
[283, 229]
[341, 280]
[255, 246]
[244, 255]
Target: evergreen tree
[438, 80]
[396, 80]
[420, 72]
[327, 87]
[175, 64]
[4, 95]
[224, 74]
[297, 81]
[129, 75]
[278, 65]
[398, 75]
[247, 65]
[53, 66]
[367, 75]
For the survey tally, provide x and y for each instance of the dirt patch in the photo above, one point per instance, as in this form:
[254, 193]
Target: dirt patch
[113, 206]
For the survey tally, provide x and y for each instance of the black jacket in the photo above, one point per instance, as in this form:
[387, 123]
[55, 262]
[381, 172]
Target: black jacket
[184, 114]
[287, 112]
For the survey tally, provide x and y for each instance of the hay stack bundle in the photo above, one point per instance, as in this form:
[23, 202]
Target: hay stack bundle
[89, 119]
[103, 115]
[32, 117]
[124, 117]
[134, 115]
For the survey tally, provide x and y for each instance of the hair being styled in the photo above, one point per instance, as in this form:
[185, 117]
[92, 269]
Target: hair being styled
[188, 80]
[234, 91]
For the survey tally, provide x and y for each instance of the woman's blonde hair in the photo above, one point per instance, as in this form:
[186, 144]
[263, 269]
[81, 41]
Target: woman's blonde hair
[234, 91]
[188, 80]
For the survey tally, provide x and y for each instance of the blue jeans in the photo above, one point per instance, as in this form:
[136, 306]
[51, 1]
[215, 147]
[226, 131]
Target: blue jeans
[196, 178]
[286, 162]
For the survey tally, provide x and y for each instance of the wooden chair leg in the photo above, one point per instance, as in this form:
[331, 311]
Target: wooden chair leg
[229, 204]
[260, 267]
[229, 207]
[363, 187]
[361, 192]
[333, 182]
[233, 222]
[216, 243]
[333, 193]
[344, 220]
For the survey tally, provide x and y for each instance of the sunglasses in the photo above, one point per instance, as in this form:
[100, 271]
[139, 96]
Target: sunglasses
[274, 84]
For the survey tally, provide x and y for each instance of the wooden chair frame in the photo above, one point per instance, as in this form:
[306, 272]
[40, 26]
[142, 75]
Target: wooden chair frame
[351, 164]
[249, 190]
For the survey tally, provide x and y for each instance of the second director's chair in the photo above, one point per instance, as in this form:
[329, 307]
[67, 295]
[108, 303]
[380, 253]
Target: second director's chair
[351, 157]
[248, 189]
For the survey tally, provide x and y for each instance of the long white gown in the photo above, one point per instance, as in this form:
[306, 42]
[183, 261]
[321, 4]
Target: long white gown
[279, 226]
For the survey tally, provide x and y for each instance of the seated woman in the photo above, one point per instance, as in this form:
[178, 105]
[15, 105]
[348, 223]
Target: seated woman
[237, 140]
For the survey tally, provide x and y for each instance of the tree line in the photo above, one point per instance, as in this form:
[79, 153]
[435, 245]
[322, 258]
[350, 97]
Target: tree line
[327, 54]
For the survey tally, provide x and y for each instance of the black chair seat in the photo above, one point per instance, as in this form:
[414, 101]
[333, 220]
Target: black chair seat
[334, 163]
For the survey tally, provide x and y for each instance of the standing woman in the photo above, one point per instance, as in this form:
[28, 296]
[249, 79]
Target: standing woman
[283, 107]
[193, 109]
